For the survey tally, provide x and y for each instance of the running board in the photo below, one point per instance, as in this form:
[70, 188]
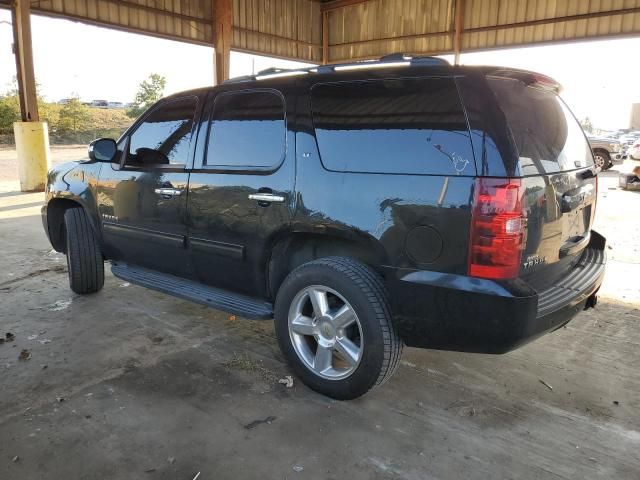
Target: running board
[189, 290]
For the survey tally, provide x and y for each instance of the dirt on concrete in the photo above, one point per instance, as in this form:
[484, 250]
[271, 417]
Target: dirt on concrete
[129, 383]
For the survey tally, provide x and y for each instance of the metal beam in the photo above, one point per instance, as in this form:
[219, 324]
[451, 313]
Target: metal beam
[22, 49]
[222, 33]
[552, 20]
[325, 38]
[327, 6]
[391, 39]
[258, 33]
[457, 30]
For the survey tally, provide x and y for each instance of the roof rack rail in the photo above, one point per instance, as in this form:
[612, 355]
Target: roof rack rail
[393, 59]
[271, 72]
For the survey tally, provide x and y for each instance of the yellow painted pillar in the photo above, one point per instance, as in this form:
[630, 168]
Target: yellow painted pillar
[32, 146]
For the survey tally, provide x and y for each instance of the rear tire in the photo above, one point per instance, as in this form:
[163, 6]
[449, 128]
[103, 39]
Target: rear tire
[84, 256]
[356, 327]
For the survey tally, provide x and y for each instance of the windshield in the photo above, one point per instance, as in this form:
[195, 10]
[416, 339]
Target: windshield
[548, 137]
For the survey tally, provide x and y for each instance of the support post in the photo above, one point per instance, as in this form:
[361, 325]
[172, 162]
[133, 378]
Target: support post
[325, 38]
[31, 135]
[222, 32]
[459, 25]
[32, 148]
[20, 14]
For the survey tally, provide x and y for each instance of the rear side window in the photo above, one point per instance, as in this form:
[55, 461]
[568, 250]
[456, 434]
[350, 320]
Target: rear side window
[548, 137]
[247, 130]
[410, 126]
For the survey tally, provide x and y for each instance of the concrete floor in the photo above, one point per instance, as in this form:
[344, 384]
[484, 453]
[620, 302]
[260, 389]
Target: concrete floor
[129, 384]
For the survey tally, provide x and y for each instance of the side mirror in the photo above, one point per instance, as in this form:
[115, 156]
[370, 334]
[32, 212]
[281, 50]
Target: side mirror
[103, 150]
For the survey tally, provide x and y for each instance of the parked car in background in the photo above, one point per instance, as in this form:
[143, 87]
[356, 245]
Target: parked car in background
[606, 151]
[99, 103]
[628, 139]
[409, 202]
[634, 151]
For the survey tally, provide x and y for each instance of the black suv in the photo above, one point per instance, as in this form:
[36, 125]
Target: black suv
[363, 206]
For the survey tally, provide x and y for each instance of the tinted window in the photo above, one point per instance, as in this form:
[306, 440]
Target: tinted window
[548, 137]
[392, 126]
[164, 137]
[247, 129]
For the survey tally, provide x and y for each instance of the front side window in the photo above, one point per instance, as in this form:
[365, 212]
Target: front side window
[405, 126]
[247, 130]
[164, 137]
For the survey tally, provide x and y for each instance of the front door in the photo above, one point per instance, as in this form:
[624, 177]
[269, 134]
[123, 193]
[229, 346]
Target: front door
[241, 188]
[142, 201]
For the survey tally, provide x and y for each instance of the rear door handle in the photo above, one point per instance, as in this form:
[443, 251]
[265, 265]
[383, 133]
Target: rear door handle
[266, 197]
[168, 192]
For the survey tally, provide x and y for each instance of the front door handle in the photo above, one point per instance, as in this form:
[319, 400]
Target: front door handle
[266, 197]
[168, 192]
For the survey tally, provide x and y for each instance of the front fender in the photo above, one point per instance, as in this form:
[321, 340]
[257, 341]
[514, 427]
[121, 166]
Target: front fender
[69, 184]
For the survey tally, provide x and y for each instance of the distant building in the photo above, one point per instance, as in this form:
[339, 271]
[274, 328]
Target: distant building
[634, 120]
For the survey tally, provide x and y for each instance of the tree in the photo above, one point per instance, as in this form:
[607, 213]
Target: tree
[149, 92]
[9, 112]
[10, 108]
[73, 116]
[587, 126]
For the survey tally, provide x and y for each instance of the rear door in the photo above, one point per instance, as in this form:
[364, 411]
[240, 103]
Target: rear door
[556, 163]
[142, 201]
[241, 189]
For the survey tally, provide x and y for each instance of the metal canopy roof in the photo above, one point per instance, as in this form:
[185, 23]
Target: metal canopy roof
[316, 31]
[328, 31]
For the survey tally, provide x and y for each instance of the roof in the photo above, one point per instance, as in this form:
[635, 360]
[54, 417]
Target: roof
[388, 66]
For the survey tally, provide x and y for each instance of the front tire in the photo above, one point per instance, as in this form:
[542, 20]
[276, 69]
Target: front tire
[84, 256]
[602, 159]
[334, 326]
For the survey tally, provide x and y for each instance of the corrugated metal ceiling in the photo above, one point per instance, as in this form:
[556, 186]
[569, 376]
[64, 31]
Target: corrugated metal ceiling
[377, 27]
[361, 28]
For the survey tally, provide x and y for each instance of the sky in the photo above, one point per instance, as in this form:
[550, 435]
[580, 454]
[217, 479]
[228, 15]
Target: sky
[600, 78]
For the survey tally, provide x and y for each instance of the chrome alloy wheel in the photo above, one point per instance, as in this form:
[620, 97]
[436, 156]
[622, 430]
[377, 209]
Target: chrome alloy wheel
[325, 332]
[599, 160]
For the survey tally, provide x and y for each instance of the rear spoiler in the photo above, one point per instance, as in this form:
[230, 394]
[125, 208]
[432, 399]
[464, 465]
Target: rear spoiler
[528, 78]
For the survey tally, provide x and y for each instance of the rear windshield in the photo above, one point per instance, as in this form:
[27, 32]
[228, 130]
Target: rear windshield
[546, 134]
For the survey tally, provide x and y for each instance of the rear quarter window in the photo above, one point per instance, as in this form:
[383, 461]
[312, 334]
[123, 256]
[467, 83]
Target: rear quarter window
[547, 136]
[401, 126]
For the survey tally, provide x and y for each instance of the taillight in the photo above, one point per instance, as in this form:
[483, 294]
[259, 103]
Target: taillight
[498, 228]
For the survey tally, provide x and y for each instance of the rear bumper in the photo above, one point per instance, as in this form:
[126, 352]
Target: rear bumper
[456, 312]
